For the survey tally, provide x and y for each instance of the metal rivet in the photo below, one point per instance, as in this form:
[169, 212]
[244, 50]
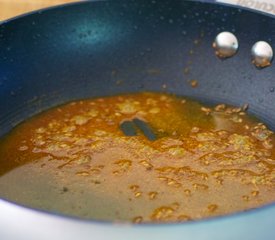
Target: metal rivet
[262, 54]
[226, 45]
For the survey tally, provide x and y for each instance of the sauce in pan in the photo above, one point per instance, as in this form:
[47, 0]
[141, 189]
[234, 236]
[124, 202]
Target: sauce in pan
[75, 160]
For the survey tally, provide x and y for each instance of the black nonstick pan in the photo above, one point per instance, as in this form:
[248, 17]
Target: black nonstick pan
[72, 52]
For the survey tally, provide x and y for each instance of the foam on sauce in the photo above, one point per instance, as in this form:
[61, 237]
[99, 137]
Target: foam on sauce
[75, 160]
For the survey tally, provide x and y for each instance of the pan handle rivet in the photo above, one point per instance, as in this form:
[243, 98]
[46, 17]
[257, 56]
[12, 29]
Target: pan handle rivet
[226, 45]
[262, 54]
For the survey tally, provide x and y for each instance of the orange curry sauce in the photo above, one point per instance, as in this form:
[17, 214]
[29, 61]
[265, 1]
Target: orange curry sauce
[75, 160]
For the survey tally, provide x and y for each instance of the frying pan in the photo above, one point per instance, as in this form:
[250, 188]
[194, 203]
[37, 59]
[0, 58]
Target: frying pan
[101, 48]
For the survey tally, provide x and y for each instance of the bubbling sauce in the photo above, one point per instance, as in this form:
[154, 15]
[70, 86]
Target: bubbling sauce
[75, 160]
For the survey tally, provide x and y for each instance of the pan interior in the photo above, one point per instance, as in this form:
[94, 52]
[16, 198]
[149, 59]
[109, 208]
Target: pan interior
[107, 48]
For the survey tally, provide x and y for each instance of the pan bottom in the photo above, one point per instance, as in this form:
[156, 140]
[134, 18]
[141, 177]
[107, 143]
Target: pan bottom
[204, 161]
